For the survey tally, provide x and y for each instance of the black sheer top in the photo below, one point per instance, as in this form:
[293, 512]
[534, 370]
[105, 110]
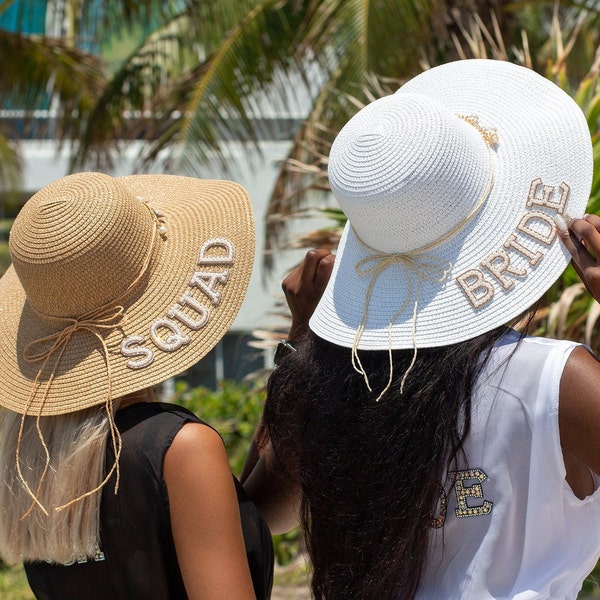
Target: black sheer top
[137, 559]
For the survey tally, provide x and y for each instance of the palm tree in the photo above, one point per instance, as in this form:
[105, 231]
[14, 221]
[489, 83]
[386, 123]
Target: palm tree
[51, 63]
[209, 71]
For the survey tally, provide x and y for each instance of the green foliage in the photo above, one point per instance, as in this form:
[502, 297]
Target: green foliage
[233, 410]
[13, 583]
[5, 225]
[4, 256]
[591, 586]
[287, 546]
[587, 96]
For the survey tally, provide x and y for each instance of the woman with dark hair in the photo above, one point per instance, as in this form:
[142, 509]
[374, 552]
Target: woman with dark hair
[428, 449]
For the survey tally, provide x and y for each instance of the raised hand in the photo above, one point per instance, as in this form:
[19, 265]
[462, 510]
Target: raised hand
[304, 286]
[581, 237]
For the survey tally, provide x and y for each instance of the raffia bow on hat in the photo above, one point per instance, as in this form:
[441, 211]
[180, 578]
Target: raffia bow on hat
[50, 354]
[467, 162]
[117, 284]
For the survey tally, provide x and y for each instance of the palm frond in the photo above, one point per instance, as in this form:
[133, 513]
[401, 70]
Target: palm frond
[593, 314]
[249, 60]
[49, 74]
[561, 309]
[125, 109]
[10, 165]
[212, 97]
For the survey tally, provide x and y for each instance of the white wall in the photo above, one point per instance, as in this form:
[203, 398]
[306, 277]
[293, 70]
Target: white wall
[42, 165]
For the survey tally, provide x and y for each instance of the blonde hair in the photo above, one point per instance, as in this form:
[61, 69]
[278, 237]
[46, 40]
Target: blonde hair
[76, 443]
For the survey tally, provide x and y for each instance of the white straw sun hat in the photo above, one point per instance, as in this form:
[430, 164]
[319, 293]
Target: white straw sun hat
[450, 186]
[117, 284]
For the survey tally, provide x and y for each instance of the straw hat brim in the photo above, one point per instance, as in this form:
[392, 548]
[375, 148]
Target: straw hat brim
[196, 211]
[543, 135]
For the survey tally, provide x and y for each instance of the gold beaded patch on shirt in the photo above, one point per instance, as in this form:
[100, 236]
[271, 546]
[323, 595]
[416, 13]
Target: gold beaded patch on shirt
[458, 482]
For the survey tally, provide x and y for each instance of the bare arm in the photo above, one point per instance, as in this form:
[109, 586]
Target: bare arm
[205, 517]
[579, 408]
[277, 494]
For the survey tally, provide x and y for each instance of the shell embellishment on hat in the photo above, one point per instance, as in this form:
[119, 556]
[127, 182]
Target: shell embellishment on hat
[490, 136]
[159, 218]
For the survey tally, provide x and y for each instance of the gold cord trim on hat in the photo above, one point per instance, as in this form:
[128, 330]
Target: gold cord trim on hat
[489, 134]
[104, 318]
[426, 267]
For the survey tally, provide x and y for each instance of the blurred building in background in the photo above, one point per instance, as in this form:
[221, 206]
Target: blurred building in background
[44, 162]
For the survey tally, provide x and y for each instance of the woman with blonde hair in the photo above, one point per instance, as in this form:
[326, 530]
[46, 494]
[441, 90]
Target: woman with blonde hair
[117, 284]
[437, 453]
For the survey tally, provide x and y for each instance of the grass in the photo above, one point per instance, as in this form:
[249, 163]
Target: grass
[294, 574]
[13, 584]
[591, 586]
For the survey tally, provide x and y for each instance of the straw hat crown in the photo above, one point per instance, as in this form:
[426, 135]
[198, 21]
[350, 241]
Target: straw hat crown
[406, 163]
[72, 237]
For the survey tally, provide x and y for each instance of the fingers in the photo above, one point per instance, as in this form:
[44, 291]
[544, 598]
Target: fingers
[319, 264]
[313, 273]
[587, 230]
[304, 286]
[581, 238]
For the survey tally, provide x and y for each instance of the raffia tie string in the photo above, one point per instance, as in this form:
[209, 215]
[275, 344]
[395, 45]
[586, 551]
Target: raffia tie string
[419, 266]
[50, 350]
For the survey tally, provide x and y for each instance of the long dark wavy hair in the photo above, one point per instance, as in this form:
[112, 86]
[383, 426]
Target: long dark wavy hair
[370, 471]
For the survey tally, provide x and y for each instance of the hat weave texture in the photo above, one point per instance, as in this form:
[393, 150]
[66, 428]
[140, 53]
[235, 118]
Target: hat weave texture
[449, 234]
[88, 245]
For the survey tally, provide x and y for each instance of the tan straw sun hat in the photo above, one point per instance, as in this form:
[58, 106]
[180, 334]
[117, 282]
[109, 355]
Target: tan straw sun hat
[450, 187]
[117, 284]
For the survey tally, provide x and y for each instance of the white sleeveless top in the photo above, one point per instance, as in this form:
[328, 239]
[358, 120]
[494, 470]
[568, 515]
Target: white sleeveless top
[512, 527]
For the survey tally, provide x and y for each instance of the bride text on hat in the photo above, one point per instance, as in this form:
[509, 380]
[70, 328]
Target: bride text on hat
[166, 333]
[535, 225]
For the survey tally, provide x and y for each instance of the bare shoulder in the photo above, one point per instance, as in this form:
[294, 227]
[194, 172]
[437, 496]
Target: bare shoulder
[579, 407]
[195, 436]
[198, 477]
[196, 450]
[581, 355]
[579, 381]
